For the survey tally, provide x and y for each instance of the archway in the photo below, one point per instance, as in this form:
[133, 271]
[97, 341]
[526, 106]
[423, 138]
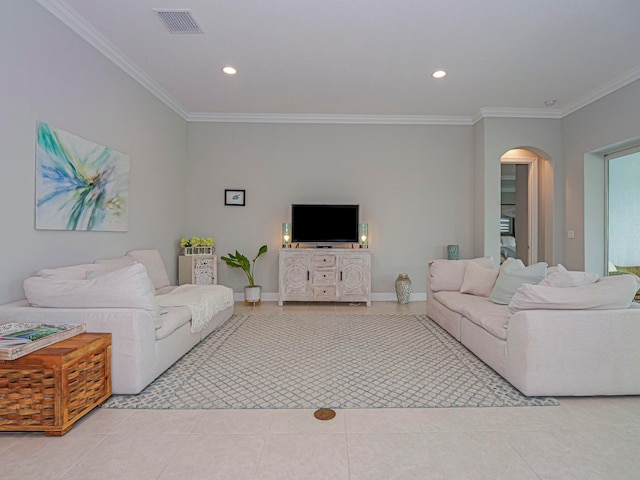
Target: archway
[527, 205]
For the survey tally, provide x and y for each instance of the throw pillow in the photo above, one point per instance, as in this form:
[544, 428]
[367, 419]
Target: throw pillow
[608, 293]
[82, 271]
[478, 280]
[127, 287]
[563, 278]
[152, 261]
[73, 272]
[111, 264]
[512, 274]
[449, 274]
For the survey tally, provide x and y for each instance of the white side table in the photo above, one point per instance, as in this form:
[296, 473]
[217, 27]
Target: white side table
[198, 269]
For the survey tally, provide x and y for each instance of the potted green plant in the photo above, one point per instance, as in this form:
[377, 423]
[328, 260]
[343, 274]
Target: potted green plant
[252, 291]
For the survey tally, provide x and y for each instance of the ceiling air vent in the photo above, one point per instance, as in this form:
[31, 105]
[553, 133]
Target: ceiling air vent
[179, 21]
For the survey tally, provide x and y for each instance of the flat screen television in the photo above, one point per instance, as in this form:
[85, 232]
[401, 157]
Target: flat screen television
[324, 224]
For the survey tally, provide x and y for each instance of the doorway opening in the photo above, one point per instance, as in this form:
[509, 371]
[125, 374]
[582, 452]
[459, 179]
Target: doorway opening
[519, 206]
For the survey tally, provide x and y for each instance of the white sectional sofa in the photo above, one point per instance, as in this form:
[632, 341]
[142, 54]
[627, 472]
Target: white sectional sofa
[549, 332]
[152, 323]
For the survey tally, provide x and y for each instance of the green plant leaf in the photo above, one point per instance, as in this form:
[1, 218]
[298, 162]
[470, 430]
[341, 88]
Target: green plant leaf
[263, 249]
[241, 261]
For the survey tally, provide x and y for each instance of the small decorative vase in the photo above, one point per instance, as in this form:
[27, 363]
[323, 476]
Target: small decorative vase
[403, 288]
[453, 252]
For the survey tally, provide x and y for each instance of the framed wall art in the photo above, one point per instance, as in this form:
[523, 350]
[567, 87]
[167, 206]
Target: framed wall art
[80, 185]
[234, 197]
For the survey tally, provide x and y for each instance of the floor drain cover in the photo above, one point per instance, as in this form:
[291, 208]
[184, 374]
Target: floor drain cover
[324, 414]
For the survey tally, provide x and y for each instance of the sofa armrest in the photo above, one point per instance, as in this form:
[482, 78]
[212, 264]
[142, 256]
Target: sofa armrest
[574, 352]
[132, 329]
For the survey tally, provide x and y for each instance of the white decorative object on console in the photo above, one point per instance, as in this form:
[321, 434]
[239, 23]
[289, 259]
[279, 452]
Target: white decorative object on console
[324, 275]
[198, 269]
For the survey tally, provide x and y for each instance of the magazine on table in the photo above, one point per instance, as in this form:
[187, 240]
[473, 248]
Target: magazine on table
[19, 339]
[30, 334]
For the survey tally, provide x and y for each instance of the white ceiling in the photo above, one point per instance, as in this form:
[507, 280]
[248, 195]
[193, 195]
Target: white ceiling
[359, 59]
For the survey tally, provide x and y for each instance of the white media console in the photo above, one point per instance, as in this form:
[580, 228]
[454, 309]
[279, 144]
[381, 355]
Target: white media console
[324, 275]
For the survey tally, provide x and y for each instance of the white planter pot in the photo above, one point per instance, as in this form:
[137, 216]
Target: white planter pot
[252, 294]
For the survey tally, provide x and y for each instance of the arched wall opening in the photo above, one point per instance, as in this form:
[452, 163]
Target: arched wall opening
[495, 136]
[532, 205]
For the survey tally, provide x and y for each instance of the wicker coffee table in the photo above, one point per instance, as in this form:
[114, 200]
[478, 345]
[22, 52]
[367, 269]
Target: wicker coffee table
[52, 388]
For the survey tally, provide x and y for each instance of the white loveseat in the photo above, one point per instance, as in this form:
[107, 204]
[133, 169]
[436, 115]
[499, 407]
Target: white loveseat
[152, 323]
[551, 332]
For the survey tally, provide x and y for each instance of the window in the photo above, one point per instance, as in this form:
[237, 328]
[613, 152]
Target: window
[623, 208]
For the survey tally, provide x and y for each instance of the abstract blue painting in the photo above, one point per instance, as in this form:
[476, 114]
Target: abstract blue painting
[80, 185]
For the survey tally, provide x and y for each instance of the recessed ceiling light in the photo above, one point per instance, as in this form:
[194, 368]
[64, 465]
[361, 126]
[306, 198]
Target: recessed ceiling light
[229, 70]
[550, 103]
[438, 74]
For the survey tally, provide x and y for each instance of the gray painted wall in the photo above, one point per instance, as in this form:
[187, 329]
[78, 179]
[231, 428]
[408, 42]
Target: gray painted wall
[50, 74]
[419, 187]
[602, 127]
[414, 185]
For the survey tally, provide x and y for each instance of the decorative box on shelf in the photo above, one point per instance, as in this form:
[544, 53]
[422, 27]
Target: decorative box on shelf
[198, 269]
[188, 251]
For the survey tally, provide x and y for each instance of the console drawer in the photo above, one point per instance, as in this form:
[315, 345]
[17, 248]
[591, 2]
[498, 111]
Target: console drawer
[324, 276]
[328, 291]
[324, 260]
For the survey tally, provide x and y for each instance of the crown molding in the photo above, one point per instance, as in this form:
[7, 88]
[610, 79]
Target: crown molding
[507, 112]
[330, 119]
[75, 22]
[602, 91]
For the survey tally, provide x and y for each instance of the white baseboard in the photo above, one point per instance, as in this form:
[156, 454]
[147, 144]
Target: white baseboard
[375, 297]
[392, 297]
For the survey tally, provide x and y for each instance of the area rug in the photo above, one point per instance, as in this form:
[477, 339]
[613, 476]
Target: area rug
[311, 361]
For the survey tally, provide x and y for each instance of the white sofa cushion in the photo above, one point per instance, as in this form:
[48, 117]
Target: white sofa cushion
[82, 271]
[449, 274]
[73, 272]
[512, 274]
[560, 277]
[478, 280]
[608, 293]
[128, 287]
[152, 261]
[116, 263]
[458, 302]
[204, 301]
[173, 319]
[491, 317]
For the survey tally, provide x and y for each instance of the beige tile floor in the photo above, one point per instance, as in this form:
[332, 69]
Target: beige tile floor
[583, 438]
